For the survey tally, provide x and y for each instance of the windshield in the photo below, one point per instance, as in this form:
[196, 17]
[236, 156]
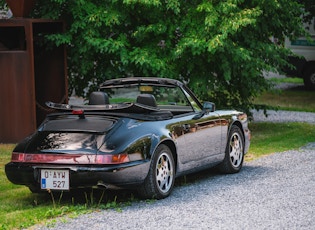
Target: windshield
[164, 95]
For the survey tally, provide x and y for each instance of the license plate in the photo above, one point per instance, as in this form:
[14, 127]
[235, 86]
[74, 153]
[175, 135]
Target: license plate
[55, 179]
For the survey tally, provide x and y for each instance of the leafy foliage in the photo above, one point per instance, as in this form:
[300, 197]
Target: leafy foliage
[220, 48]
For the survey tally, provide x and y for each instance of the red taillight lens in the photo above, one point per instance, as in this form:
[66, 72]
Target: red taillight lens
[17, 157]
[69, 158]
[78, 112]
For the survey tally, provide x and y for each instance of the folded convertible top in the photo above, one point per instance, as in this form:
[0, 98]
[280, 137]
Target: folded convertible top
[130, 110]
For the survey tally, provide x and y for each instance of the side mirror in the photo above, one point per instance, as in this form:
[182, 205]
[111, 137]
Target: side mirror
[208, 106]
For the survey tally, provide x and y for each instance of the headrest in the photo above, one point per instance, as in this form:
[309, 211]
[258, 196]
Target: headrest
[147, 99]
[98, 98]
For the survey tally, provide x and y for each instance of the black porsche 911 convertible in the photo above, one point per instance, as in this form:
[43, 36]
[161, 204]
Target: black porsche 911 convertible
[135, 133]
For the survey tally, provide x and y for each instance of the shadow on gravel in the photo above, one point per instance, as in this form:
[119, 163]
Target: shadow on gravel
[213, 178]
[118, 198]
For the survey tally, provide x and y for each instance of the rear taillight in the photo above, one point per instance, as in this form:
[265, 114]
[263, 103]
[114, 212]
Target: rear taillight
[112, 159]
[78, 112]
[17, 157]
[69, 158]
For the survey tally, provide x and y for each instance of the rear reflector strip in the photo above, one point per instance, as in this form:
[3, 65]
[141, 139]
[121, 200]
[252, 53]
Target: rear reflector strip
[69, 158]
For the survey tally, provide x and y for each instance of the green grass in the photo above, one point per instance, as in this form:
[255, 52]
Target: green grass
[268, 138]
[294, 80]
[294, 99]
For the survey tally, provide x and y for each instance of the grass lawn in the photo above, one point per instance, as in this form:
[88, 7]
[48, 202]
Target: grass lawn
[294, 99]
[268, 138]
[18, 208]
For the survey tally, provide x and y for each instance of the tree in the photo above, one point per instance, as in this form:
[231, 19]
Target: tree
[220, 48]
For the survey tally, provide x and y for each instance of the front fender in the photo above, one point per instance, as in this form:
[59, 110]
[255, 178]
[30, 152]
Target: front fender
[241, 120]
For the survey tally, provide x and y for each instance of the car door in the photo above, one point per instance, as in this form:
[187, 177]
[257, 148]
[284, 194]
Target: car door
[200, 142]
[197, 132]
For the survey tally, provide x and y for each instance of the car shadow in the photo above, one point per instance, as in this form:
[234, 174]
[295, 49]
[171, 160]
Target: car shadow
[103, 198]
[248, 171]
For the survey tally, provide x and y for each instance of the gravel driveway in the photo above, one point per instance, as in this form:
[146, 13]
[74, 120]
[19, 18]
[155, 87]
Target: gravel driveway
[273, 192]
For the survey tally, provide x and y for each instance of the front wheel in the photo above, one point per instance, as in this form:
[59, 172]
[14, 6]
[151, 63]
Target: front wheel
[234, 153]
[160, 179]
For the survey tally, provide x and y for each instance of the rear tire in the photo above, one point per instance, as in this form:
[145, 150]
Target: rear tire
[234, 153]
[159, 182]
[309, 77]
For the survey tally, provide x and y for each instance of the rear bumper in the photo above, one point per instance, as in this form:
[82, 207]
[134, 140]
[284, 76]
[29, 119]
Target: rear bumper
[121, 176]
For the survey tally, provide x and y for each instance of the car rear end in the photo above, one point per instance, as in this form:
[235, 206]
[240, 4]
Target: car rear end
[71, 150]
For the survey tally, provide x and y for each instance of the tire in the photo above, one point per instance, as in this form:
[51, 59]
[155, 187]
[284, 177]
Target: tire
[234, 153]
[159, 182]
[309, 77]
